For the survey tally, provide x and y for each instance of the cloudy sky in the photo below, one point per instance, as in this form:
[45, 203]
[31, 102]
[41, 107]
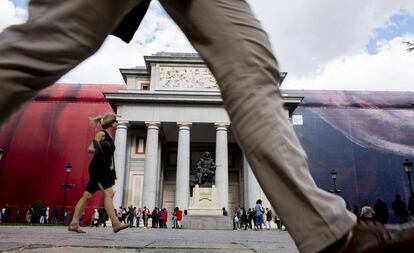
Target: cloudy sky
[322, 44]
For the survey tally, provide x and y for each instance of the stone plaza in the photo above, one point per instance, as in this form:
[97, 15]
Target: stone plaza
[57, 239]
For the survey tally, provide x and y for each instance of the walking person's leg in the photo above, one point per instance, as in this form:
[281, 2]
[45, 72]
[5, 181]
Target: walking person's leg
[237, 51]
[80, 207]
[57, 36]
[109, 207]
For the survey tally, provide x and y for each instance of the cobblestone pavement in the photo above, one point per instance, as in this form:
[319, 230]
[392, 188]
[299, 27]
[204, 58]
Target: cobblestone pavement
[57, 239]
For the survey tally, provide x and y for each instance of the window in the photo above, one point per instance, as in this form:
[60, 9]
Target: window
[144, 86]
[140, 145]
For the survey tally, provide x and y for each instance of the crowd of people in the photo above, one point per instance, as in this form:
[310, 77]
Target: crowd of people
[46, 215]
[254, 218]
[379, 211]
[157, 218]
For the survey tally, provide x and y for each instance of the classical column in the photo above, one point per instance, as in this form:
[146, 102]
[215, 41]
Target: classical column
[120, 162]
[253, 190]
[151, 165]
[182, 192]
[222, 170]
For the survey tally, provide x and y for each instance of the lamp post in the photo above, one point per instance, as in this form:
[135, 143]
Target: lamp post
[1, 153]
[408, 166]
[65, 187]
[333, 176]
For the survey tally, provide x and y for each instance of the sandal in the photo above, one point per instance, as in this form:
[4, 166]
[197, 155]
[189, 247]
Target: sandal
[75, 228]
[118, 227]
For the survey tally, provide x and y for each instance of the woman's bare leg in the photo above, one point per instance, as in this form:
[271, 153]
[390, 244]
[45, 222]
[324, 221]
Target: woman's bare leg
[109, 207]
[80, 207]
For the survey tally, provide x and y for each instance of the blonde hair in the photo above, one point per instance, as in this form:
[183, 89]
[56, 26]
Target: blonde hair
[102, 120]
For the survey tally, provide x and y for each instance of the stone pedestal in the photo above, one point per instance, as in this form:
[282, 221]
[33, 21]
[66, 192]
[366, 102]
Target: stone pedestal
[205, 212]
[205, 202]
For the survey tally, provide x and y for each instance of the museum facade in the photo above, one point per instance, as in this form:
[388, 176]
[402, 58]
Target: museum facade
[170, 114]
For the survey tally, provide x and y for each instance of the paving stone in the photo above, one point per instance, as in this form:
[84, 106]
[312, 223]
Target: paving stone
[51, 239]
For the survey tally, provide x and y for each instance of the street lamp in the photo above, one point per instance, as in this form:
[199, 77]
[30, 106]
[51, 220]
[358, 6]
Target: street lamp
[1, 153]
[408, 166]
[65, 186]
[333, 176]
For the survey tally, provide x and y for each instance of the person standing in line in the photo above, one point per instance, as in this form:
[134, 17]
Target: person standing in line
[259, 214]
[43, 216]
[119, 214]
[164, 217]
[130, 216]
[54, 215]
[236, 49]
[179, 217]
[29, 214]
[155, 218]
[367, 214]
[124, 215]
[100, 174]
[174, 218]
[19, 214]
[138, 216]
[244, 219]
[269, 218]
[250, 217]
[145, 214]
[381, 211]
[400, 209]
[47, 216]
[235, 220]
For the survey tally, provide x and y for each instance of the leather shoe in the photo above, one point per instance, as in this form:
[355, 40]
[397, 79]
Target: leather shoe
[376, 238]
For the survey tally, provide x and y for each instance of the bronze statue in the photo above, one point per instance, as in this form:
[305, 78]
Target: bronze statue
[205, 171]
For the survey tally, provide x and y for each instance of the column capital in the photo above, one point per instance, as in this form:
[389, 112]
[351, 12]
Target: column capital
[184, 125]
[123, 124]
[153, 124]
[221, 126]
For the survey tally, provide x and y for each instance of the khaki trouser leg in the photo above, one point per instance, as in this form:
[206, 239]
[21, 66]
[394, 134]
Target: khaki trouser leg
[58, 35]
[237, 50]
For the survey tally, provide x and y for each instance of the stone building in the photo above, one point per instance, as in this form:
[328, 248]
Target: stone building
[170, 114]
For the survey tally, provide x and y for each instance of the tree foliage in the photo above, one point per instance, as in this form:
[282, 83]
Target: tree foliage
[409, 45]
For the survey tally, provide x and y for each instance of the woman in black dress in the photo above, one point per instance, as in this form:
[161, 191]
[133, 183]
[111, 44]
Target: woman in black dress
[101, 177]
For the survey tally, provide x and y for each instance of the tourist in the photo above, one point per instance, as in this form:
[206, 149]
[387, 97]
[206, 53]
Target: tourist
[381, 211]
[179, 217]
[138, 217]
[101, 177]
[269, 218]
[259, 214]
[367, 214]
[54, 215]
[400, 209]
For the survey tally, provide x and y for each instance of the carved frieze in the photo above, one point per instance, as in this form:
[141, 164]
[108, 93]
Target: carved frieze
[186, 78]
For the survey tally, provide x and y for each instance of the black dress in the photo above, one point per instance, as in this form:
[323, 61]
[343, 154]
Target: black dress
[99, 167]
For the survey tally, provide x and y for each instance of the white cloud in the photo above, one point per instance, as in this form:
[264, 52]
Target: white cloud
[156, 33]
[389, 69]
[10, 14]
[320, 43]
[308, 34]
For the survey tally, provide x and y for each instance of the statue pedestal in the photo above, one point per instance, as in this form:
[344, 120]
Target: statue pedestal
[205, 202]
[205, 212]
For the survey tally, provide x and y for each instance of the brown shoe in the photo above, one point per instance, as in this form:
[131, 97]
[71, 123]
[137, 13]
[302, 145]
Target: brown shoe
[376, 238]
[75, 228]
[119, 226]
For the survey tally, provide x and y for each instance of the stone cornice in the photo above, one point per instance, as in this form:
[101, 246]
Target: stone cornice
[161, 97]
